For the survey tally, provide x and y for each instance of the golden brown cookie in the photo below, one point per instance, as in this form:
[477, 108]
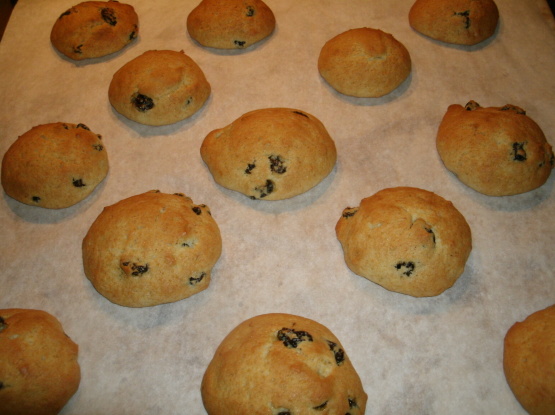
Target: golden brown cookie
[159, 87]
[281, 364]
[529, 361]
[463, 22]
[151, 249]
[497, 151]
[39, 371]
[270, 154]
[54, 165]
[230, 24]
[364, 63]
[93, 29]
[407, 240]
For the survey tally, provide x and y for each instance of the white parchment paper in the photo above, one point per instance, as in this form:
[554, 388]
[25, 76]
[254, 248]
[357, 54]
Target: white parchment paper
[440, 355]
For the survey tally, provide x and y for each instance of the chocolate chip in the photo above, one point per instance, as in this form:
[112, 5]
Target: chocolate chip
[466, 15]
[301, 113]
[266, 189]
[338, 352]
[249, 168]
[291, 338]
[320, 407]
[250, 11]
[276, 164]
[83, 126]
[471, 106]
[36, 199]
[519, 154]
[196, 280]
[349, 212]
[78, 183]
[108, 15]
[239, 43]
[197, 210]
[142, 102]
[407, 267]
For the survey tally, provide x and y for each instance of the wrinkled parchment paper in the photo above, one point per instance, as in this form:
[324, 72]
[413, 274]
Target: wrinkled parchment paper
[440, 355]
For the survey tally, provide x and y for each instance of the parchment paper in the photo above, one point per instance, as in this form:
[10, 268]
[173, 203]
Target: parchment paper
[440, 355]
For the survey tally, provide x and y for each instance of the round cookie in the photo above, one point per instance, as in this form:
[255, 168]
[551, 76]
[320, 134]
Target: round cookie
[364, 63]
[151, 249]
[463, 22]
[407, 240]
[529, 361]
[93, 29]
[230, 24]
[497, 151]
[39, 371]
[54, 165]
[270, 154]
[281, 364]
[159, 87]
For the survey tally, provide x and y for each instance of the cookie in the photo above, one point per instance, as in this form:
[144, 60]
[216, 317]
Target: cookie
[150, 249]
[407, 240]
[270, 154]
[39, 369]
[93, 29]
[497, 151]
[281, 364]
[159, 87]
[529, 361]
[54, 165]
[230, 24]
[364, 63]
[462, 22]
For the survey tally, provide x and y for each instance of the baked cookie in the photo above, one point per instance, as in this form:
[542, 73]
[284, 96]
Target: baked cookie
[151, 249]
[364, 63]
[407, 240]
[270, 154]
[462, 22]
[230, 24]
[93, 29]
[497, 151]
[281, 364]
[54, 165]
[159, 87]
[529, 361]
[39, 371]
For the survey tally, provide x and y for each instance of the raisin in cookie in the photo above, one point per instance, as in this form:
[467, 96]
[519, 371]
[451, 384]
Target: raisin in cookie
[39, 370]
[159, 87]
[270, 154]
[151, 249]
[281, 364]
[497, 151]
[93, 29]
[529, 361]
[230, 24]
[463, 22]
[407, 240]
[54, 165]
[364, 63]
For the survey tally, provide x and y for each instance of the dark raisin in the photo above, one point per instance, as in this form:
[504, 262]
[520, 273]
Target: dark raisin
[519, 154]
[352, 403]
[466, 15]
[338, 352]
[239, 43]
[179, 194]
[133, 34]
[471, 106]
[78, 183]
[66, 13]
[197, 210]
[77, 49]
[250, 11]
[349, 212]
[430, 231]
[249, 168]
[196, 280]
[284, 413]
[301, 113]
[407, 267]
[142, 102]
[36, 199]
[266, 189]
[552, 160]
[83, 126]
[513, 108]
[321, 407]
[1, 385]
[276, 164]
[98, 147]
[137, 270]
[108, 15]
[3, 324]
[291, 338]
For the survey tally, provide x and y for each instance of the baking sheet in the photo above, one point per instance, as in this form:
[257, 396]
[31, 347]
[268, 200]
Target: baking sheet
[440, 355]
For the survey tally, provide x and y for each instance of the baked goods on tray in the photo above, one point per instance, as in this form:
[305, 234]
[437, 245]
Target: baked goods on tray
[364, 63]
[39, 368]
[281, 364]
[159, 87]
[150, 249]
[54, 165]
[93, 29]
[407, 240]
[270, 154]
[497, 151]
